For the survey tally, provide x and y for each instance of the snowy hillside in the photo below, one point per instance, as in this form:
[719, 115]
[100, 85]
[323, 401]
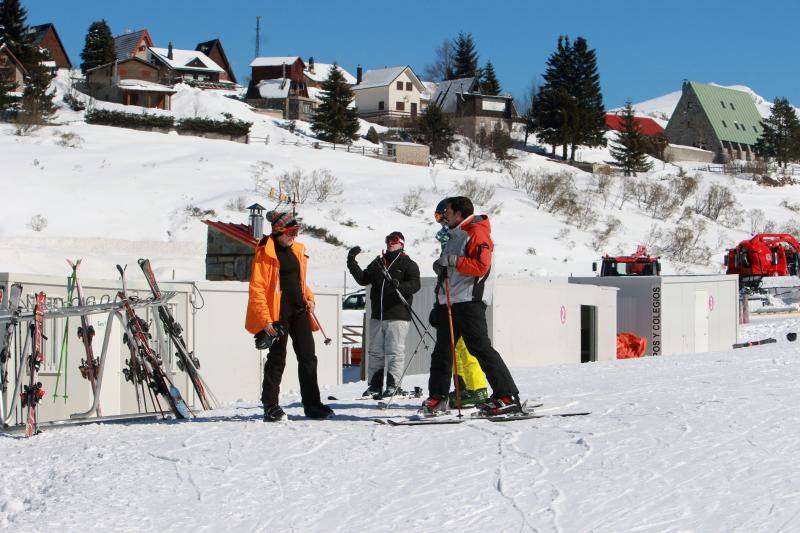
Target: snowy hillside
[111, 195]
[684, 443]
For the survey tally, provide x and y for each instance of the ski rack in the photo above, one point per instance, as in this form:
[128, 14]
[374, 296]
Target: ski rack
[114, 310]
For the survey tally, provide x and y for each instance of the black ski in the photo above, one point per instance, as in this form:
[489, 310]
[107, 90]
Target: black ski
[158, 379]
[13, 298]
[186, 361]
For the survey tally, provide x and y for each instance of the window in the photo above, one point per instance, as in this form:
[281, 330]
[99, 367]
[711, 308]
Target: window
[381, 106]
[731, 103]
[408, 86]
[400, 106]
[306, 108]
[399, 85]
[723, 104]
[723, 123]
[689, 105]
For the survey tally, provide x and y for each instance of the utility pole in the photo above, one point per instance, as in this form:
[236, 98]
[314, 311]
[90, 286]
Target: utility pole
[258, 35]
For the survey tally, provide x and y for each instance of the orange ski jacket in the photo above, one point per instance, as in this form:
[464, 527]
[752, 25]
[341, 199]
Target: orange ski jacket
[264, 303]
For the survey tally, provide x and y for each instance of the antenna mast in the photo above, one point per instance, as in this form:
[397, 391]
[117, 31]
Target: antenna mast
[258, 35]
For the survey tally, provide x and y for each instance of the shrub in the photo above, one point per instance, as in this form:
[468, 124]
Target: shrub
[714, 201]
[69, 140]
[229, 126]
[603, 235]
[324, 234]
[603, 185]
[683, 243]
[198, 212]
[479, 193]
[37, 223]
[122, 119]
[410, 202]
[238, 204]
[297, 185]
[683, 186]
[372, 135]
[325, 185]
[759, 223]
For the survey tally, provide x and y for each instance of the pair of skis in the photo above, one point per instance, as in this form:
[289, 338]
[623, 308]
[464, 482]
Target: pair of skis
[419, 420]
[13, 298]
[32, 393]
[90, 365]
[146, 361]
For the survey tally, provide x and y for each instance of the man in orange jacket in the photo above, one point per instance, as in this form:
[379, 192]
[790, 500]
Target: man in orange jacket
[279, 307]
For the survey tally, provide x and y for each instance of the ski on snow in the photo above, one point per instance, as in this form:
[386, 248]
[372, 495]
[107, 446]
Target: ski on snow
[419, 420]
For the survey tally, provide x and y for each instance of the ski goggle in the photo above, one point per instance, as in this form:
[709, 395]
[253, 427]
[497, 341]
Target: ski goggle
[438, 216]
[291, 231]
[392, 240]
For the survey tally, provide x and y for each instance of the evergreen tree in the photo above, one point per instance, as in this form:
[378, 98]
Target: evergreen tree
[780, 138]
[435, 130]
[629, 149]
[589, 123]
[14, 31]
[569, 108]
[334, 121]
[372, 135]
[37, 104]
[489, 83]
[7, 85]
[99, 47]
[465, 58]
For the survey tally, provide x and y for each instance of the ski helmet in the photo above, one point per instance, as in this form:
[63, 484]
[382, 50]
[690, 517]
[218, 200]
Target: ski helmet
[440, 209]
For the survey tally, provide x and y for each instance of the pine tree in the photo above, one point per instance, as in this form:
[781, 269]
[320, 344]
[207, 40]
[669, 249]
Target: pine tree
[372, 135]
[37, 105]
[780, 138]
[7, 85]
[334, 121]
[14, 31]
[629, 149]
[99, 47]
[465, 58]
[489, 83]
[435, 130]
[589, 124]
[552, 104]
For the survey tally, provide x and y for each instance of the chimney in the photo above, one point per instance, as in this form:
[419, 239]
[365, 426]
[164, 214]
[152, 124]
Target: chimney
[256, 221]
[169, 50]
[311, 65]
[359, 75]
[284, 70]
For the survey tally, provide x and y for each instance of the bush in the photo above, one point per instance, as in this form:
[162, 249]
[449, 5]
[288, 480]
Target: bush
[553, 191]
[683, 244]
[759, 223]
[69, 140]
[37, 223]
[324, 234]
[655, 199]
[229, 126]
[479, 193]
[410, 202]
[372, 135]
[325, 185]
[603, 185]
[318, 186]
[683, 186]
[604, 234]
[198, 212]
[122, 119]
[237, 204]
[716, 199]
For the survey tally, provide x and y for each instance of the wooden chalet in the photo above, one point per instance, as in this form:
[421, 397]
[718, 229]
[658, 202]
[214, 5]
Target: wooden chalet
[12, 68]
[214, 50]
[46, 37]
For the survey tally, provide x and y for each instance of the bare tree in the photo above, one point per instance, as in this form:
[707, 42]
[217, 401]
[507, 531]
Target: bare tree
[442, 67]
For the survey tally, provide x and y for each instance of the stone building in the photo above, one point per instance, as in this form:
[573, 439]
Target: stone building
[721, 120]
[230, 247]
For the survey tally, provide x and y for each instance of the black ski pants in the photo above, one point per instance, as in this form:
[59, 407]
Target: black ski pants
[298, 327]
[469, 323]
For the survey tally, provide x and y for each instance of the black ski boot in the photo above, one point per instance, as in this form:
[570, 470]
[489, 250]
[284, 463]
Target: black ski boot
[375, 385]
[273, 413]
[318, 412]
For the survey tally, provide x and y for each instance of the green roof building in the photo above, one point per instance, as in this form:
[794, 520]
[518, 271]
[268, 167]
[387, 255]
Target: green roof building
[723, 121]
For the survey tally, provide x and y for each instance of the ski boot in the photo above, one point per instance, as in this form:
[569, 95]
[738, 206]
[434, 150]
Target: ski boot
[375, 385]
[393, 391]
[470, 398]
[318, 412]
[501, 405]
[273, 413]
[434, 406]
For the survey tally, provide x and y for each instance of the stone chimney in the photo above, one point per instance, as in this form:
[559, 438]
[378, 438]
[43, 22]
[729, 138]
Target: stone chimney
[169, 51]
[311, 65]
[359, 75]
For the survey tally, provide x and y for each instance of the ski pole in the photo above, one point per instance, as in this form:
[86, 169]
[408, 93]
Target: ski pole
[400, 381]
[453, 344]
[319, 325]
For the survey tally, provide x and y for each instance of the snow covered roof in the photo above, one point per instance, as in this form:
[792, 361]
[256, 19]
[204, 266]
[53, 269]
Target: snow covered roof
[402, 143]
[447, 92]
[430, 89]
[322, 70]
[273, 61]
[384, 76]
[142, 85]
[4, 49]
[647, 125]
[274, 88]
[186, 60]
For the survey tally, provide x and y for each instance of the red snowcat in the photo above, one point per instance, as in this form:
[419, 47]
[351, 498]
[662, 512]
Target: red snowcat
[766, 255]
[640, 263]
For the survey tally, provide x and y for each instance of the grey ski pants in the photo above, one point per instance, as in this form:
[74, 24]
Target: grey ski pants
[387, 348]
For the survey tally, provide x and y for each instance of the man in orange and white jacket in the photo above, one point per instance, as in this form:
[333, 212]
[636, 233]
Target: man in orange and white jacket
[279, 307]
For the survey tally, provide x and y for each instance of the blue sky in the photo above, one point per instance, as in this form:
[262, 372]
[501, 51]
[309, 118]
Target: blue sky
[644, 48]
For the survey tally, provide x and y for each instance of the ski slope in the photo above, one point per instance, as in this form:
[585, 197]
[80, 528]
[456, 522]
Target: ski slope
[685, 443]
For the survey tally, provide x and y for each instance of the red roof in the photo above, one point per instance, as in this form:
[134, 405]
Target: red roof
[237, 232]
[648, 126]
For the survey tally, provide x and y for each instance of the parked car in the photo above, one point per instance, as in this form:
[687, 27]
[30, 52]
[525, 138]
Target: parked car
[356, 300]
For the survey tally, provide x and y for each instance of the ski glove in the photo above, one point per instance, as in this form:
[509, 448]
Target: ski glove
[354, 251]
[441, 264]
[264, 340]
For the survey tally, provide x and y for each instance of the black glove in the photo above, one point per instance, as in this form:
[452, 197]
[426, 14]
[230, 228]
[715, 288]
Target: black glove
[433, 318]
[264, 340]
[353, 252]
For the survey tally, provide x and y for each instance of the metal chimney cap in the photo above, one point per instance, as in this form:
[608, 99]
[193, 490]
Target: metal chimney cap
[256, 207]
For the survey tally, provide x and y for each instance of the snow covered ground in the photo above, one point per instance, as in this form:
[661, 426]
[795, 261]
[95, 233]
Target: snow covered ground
[684, 443]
